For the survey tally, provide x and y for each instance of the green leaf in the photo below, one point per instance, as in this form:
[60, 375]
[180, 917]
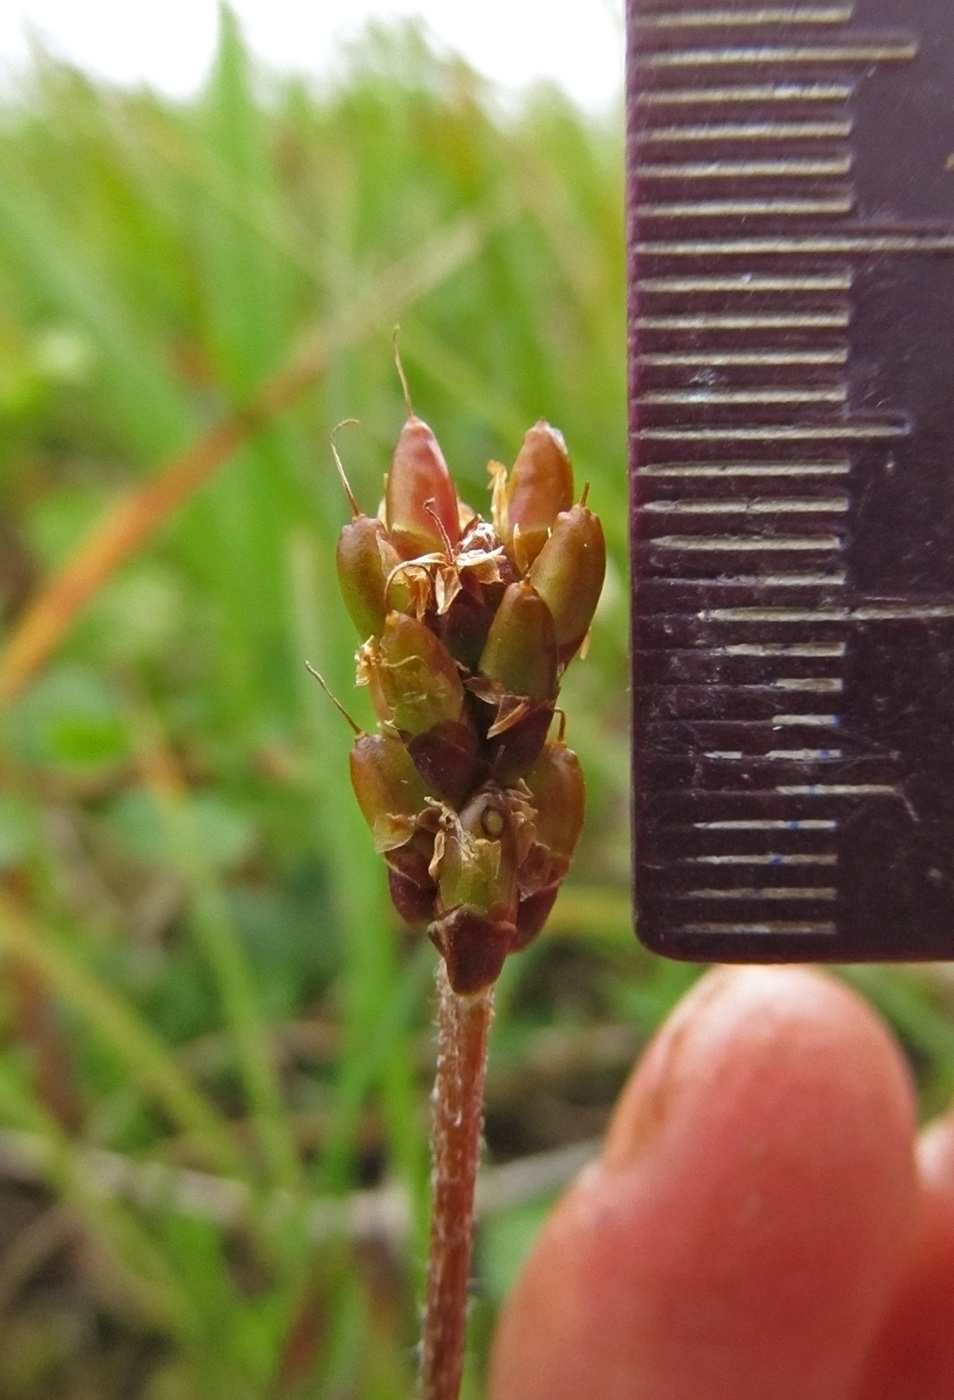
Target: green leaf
[70, 717]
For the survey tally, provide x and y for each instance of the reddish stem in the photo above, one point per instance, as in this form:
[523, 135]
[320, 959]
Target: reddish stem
[463, 1024]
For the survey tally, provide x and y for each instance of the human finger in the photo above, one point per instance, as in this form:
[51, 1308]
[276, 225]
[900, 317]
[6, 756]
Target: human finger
[749, 1219]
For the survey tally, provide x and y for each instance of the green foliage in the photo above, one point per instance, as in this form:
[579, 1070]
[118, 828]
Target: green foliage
[202, 970]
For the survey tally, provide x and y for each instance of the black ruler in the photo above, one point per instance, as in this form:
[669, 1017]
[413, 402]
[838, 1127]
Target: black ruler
[791, 339]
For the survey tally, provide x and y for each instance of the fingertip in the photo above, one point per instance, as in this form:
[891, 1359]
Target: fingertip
[750, 1211]
[751, 1045]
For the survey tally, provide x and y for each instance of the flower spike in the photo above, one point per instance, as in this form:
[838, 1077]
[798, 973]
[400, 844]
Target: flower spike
[467, 627]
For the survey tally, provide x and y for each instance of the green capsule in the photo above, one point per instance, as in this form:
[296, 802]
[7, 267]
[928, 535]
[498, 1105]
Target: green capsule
[387, 785]
[520, 653]
[518, 676]
[558, 795]
[539, 487]
[421, 509]
[365, 559]
[476, 856]
[568, 574]
[418, 677]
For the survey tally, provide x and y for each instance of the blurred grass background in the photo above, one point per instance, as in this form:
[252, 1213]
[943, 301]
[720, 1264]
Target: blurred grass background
[215, 1042]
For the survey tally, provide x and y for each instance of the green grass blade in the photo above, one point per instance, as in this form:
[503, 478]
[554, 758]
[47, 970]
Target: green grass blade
[119, 1026]
[218, 939]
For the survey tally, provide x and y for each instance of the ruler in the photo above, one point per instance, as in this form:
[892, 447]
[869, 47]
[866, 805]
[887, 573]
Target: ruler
[791, 344]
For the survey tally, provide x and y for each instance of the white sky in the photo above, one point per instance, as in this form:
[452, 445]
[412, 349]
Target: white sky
[168, 43]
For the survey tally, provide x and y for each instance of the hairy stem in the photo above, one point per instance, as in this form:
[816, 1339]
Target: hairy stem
[463, 1024]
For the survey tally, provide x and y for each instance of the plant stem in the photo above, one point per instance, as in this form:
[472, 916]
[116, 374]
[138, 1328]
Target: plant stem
[458, 1099]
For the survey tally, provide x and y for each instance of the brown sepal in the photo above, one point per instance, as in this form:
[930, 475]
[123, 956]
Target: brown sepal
[532, 914]
[413, 901]
[517, 737]
[446, 758]
[473, 945]
[463, 628]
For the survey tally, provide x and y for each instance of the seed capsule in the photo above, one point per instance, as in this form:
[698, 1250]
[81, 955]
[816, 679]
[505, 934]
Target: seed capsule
[520, 654]
[365, 558]
[414, 902]
[412, 889]
[463, 628]
[568, 574]
[416, 688]
[557, 796]
[539, 486]
[518, 677]
[420, 501]
[476, 857]
[419, 679]
[394, 802]
[389, 789]
[448, 759]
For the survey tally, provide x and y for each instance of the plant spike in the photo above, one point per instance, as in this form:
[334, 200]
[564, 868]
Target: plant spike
[467, 626]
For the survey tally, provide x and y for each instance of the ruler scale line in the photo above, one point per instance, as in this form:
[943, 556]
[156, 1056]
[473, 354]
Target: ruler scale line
[755, 321]
[781, 93]
[748, 283]
[727, 506]
[768, 56]
[793, 168]
[725, 359]
[736, 19]
[711, 398]
[765, 208]
[795, 432]
[862, 243]
[746, 131]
